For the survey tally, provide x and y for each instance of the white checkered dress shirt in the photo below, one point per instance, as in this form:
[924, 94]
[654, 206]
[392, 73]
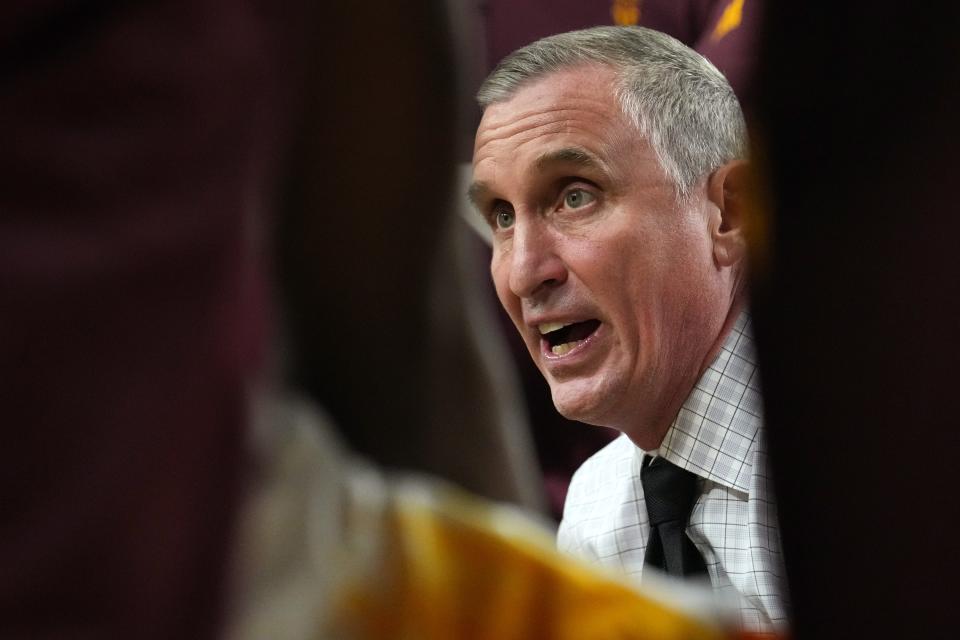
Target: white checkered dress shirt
[718, 436]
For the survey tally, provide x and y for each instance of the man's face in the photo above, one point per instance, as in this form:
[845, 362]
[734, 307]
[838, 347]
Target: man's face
[609, 279]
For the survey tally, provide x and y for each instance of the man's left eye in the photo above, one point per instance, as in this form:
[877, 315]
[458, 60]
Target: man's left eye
[577, 198]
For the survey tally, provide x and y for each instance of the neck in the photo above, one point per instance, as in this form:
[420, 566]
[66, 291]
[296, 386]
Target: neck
[736, 306]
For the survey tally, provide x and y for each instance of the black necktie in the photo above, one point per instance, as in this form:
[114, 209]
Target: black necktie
[670, 492]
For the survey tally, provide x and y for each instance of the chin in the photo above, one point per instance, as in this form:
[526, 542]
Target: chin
[588, 407]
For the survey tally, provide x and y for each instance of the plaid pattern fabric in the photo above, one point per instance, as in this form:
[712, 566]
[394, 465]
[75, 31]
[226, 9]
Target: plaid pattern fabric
[717, 435]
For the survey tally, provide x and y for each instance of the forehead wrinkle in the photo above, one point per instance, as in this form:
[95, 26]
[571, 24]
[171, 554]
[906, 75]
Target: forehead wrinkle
[515, 122]
[595, 122]
[570, 153]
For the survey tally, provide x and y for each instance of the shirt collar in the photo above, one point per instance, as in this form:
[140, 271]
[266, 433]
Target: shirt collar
[713, 434]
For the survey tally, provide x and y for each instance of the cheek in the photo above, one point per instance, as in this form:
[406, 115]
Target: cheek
[625, 278]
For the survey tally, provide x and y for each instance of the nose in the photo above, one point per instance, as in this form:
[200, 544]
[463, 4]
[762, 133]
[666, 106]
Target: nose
[535, 263]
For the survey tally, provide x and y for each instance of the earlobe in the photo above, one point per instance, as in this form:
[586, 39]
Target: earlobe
[726, 190]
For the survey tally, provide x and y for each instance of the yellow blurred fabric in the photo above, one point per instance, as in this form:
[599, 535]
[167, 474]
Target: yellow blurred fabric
[333, 548]
[455, 568]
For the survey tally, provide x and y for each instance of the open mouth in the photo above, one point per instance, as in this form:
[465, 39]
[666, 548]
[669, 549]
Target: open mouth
[563, 338]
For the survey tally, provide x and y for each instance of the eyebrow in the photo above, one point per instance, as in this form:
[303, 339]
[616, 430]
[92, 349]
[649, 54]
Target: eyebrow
[570, 155]
[477, 192]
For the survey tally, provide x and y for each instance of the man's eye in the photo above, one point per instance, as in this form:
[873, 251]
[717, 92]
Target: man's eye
[504, 218]
[577, 198]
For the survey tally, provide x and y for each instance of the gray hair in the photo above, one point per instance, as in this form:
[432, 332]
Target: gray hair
[679, 101]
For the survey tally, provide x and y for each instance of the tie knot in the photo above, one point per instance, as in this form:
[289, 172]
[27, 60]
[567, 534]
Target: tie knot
[668, 490]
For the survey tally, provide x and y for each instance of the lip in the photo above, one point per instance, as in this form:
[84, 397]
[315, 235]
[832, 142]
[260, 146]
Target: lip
[533, 322]
[575, 352]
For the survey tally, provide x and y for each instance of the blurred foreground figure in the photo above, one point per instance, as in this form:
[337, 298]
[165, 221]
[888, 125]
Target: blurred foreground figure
[857, 298]
[134, 164]
[610, 165]
[333, 548]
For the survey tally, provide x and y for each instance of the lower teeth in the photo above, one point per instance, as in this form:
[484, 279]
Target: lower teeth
[561, 349]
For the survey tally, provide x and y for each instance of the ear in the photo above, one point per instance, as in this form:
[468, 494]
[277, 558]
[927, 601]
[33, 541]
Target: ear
[727, 191]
